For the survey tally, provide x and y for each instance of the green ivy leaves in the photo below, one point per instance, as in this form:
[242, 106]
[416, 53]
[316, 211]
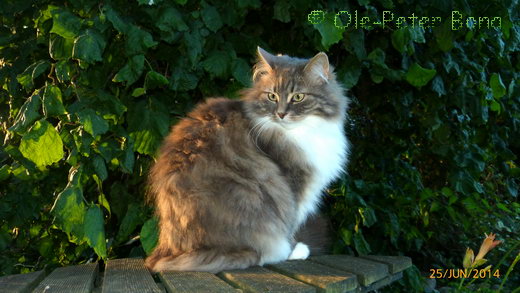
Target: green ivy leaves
[28, 113]
[89, 46]
[330, 33]
[94, 230]
[42, 144]
[131, 71]
[52, 101]
[497, 86]
[419, 76]
[69, 210]
[149, 235]
[95, 87]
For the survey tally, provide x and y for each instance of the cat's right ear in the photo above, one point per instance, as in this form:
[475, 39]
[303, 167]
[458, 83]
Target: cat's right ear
[264, 65]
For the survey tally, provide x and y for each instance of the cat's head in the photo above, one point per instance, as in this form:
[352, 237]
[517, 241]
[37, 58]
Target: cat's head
[287, 89]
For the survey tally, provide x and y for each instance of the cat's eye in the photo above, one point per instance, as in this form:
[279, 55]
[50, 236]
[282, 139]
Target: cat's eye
[298, 98]
[272, 97]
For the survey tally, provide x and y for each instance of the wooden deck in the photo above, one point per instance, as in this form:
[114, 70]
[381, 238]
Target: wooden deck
[327, 273]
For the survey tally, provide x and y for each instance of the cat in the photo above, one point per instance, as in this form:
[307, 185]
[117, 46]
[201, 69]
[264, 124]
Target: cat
[235, 180]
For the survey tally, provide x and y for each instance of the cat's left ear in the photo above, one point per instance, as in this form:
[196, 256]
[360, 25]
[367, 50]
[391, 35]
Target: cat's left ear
[317, 69]
[264, 66]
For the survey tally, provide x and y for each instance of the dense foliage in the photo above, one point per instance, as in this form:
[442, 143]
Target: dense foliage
[88, 89]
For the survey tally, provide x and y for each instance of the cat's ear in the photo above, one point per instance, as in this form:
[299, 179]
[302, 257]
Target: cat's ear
[266, 57]
[317, 69]
[264, 65]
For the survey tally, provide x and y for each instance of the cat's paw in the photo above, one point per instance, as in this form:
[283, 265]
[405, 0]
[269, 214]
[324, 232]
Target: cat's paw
[300, 251]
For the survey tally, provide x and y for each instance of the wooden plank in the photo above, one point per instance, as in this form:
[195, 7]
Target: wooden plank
[259, 279]
[128, 275]
[78, 278]
[395, 264]
[325, 278]
[367, 271]
[187, 282]
[21, 282]
[381, 283]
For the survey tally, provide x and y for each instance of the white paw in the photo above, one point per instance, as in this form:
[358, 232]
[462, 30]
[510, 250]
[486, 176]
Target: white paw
[300, 251]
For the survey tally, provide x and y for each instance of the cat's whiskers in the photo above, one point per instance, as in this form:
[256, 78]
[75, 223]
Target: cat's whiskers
[256, 131]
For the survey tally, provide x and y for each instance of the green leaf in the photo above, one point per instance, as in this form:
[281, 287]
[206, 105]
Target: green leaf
[29, 112]
[193, 43]
[102, 200]
[89, 46]
[438, 86]
[63, 70]
[119, 24]
[52, 103]
[182, 80]
[131, 71]
[368, 216]
[170, 19]
[401, 39]
[69, 212]
[46, 247]
[355, 42]
[134, 216]
[149, 235]
[282, 11]
[419, 76]
[65, 23]
[154, 79]
[242, 71]
[377, 56]
[351, 71]
[211, 18]
[60, 48]
[148, 124]
[217, 63]
[5, 171]
[361, 245]
[138, 41]
[42, 144]
[26, 79]
[330, 33]
[128, 158]
[92, 122]
[100, 167]
[346, 235]
[94, 229]
[444, 36]
[497, 86]
[137, 92]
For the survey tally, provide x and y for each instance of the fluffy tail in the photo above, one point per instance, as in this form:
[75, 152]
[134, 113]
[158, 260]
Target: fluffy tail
[315, 233]
[207, 260]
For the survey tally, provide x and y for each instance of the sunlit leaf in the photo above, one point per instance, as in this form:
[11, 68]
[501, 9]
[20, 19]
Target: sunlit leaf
[149, 235]
[94, 230]
[42, 144]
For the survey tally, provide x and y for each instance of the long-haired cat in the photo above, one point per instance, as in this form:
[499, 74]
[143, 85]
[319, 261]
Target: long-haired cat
[236, 179]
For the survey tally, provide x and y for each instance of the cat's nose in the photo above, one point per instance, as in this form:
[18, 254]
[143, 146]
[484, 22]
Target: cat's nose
[281, 115]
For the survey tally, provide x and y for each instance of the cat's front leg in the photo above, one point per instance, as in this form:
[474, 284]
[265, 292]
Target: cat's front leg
[300, 251]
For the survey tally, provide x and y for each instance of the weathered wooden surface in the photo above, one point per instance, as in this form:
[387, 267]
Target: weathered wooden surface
[259, 279]
[78, 278]
[327, 273]
[367, 271]
[128, 275]
[188, 282]
[395, 264]
[20, 283]
[325, 278]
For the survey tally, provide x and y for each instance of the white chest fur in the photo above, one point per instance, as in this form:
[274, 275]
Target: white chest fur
[325, 147]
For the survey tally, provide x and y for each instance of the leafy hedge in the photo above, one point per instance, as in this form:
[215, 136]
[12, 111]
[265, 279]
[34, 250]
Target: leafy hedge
[89, 89]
